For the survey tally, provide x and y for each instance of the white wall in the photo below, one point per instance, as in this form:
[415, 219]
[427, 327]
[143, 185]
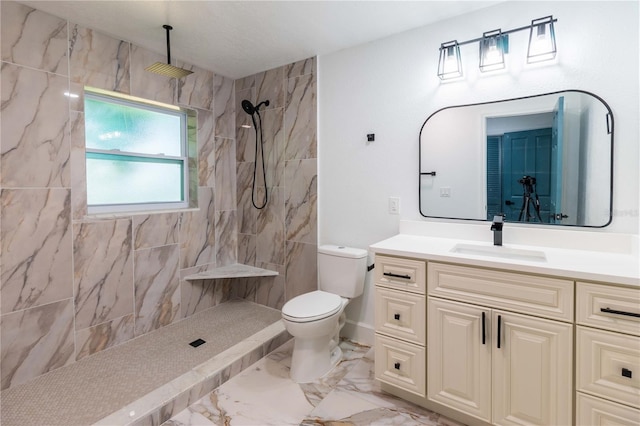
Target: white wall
[389, 87]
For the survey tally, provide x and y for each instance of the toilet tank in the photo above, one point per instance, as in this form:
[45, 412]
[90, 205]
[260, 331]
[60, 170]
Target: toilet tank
[342, 270]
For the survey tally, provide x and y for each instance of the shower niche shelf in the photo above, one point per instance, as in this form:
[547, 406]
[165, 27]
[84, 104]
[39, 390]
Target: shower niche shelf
[237, 270]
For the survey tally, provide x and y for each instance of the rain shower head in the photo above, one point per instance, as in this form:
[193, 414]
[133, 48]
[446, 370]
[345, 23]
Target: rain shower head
[248, 107]
[167, 69]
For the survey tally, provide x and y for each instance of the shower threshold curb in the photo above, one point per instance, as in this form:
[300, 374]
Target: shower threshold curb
[161, 404]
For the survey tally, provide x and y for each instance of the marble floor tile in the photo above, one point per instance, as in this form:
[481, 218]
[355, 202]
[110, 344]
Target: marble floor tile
[347, 396]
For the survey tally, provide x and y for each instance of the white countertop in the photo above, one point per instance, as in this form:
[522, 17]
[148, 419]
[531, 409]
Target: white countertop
[610, 267]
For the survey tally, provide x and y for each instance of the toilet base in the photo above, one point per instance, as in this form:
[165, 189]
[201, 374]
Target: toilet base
[312, 359]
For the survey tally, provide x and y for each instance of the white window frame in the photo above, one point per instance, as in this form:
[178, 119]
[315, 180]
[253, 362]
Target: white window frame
[130, 101]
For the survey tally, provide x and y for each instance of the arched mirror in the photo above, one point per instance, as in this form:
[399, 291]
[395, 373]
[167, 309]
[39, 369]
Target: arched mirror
[544, 159]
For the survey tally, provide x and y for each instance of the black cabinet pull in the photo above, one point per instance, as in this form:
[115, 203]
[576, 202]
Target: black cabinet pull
[396, 316]
[613, 311]
[396, 366]
[499, 329]
[484, 334]
[626, 373]
[391, 274]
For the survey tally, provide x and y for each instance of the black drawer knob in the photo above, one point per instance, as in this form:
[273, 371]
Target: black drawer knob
[396, 316]
[396, 366]
[627, 373]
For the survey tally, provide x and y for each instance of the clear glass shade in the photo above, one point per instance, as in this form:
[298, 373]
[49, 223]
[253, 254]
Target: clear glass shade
[542, 40]
[449, 64]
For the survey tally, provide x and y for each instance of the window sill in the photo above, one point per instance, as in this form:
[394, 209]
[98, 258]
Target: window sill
[119, 215]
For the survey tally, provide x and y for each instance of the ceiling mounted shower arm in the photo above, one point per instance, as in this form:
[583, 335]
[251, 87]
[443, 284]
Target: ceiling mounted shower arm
[168, 28]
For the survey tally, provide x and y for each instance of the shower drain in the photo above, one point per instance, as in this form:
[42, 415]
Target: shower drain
[197, 343]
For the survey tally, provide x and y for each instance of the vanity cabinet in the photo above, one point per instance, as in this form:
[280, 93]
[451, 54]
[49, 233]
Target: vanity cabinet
[492, 363]
[400, 307]
[607, 354]
[485, 345]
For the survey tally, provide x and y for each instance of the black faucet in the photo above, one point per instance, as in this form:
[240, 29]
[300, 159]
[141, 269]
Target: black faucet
[496, 227]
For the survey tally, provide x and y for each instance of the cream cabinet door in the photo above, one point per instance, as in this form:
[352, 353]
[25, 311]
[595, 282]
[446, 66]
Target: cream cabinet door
[532, 370]
[458, 362]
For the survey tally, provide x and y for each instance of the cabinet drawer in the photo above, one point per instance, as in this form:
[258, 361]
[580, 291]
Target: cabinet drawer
[401, 314]
[400, 364]
[609, 307]
[402, 274]
[528, 294]
[608, 365]
[598, 412]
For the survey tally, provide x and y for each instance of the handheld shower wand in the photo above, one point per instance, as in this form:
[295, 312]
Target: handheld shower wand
[248, 107]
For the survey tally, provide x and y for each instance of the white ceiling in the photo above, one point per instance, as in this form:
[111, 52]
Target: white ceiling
[240, 38]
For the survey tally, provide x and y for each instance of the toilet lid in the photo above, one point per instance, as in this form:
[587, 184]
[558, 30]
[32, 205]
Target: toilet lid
[312, 306]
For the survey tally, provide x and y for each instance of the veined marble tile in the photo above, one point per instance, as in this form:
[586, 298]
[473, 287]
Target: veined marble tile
[225, 174]
[300, 68]
[103, 336]
[245, 140]
[197, 232]
[146, 84]
[192, 161]
[155, 230]
[157, 291]
[302, 269]
[301, 199]
[195, 90]
[223, 106]
[245, 288]
[35, 341]
[33, 38]
[189, 418]
[245, 83]
[35, 137]
[247, 249]
[351, 355]
[273, 145]
[247, 214]
[244, 400]
[270, 290]
[36, 239]
[270, 86]
[78, 167]
[270, 239]
[226, 237]
[206, 149]
[195, 295]
[98, 60]
[241, 117]
[103, 271]
[300, 118]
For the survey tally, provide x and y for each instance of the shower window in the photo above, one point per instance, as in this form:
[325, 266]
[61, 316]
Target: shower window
[137, 154]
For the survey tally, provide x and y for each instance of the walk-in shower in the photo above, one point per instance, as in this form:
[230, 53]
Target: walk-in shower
[254, 111]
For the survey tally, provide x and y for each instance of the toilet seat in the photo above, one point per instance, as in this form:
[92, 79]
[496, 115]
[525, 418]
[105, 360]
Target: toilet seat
[312, 306]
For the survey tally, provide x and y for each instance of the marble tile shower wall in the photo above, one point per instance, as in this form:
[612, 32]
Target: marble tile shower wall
[72, 285]
[283, 235]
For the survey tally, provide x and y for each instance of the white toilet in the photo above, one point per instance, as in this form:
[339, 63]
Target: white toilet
[315, 319]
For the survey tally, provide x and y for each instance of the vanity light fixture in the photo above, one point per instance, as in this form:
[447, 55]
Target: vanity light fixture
[495, 44]
[542, 40]
[450, 64]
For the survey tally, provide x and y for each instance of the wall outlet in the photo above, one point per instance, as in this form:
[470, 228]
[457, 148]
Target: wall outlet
[445, 191]
[394, 205]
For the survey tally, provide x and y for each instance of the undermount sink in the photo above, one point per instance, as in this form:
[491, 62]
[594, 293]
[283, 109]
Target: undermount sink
[500, 252]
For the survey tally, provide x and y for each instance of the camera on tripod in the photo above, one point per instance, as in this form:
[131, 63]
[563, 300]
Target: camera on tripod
[529, 187]
[527, 181]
